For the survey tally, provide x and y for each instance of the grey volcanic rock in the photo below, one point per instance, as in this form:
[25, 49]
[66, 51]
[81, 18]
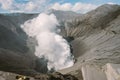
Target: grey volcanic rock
[16, 49]
[10, 76]
[94, 38]
[55, 76]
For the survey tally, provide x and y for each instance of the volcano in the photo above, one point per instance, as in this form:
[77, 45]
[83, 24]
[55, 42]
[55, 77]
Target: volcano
[93, 39]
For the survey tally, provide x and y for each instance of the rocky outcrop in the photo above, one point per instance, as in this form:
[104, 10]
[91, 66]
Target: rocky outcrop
[12, 76]
[112, 71]
[53, 76]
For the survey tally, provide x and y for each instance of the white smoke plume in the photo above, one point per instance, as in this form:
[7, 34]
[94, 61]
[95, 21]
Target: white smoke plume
[51, 45]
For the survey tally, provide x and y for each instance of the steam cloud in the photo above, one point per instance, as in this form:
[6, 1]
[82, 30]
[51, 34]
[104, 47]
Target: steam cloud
[51, 45]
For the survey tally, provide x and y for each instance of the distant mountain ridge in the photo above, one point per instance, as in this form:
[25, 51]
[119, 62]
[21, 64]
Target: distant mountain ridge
[64, 15]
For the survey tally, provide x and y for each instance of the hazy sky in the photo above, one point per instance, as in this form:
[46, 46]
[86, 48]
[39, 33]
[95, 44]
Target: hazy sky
[42, 5]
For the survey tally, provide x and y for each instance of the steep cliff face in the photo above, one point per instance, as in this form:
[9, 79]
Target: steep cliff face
[96, 38]
[95, 25]
[16, 49]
